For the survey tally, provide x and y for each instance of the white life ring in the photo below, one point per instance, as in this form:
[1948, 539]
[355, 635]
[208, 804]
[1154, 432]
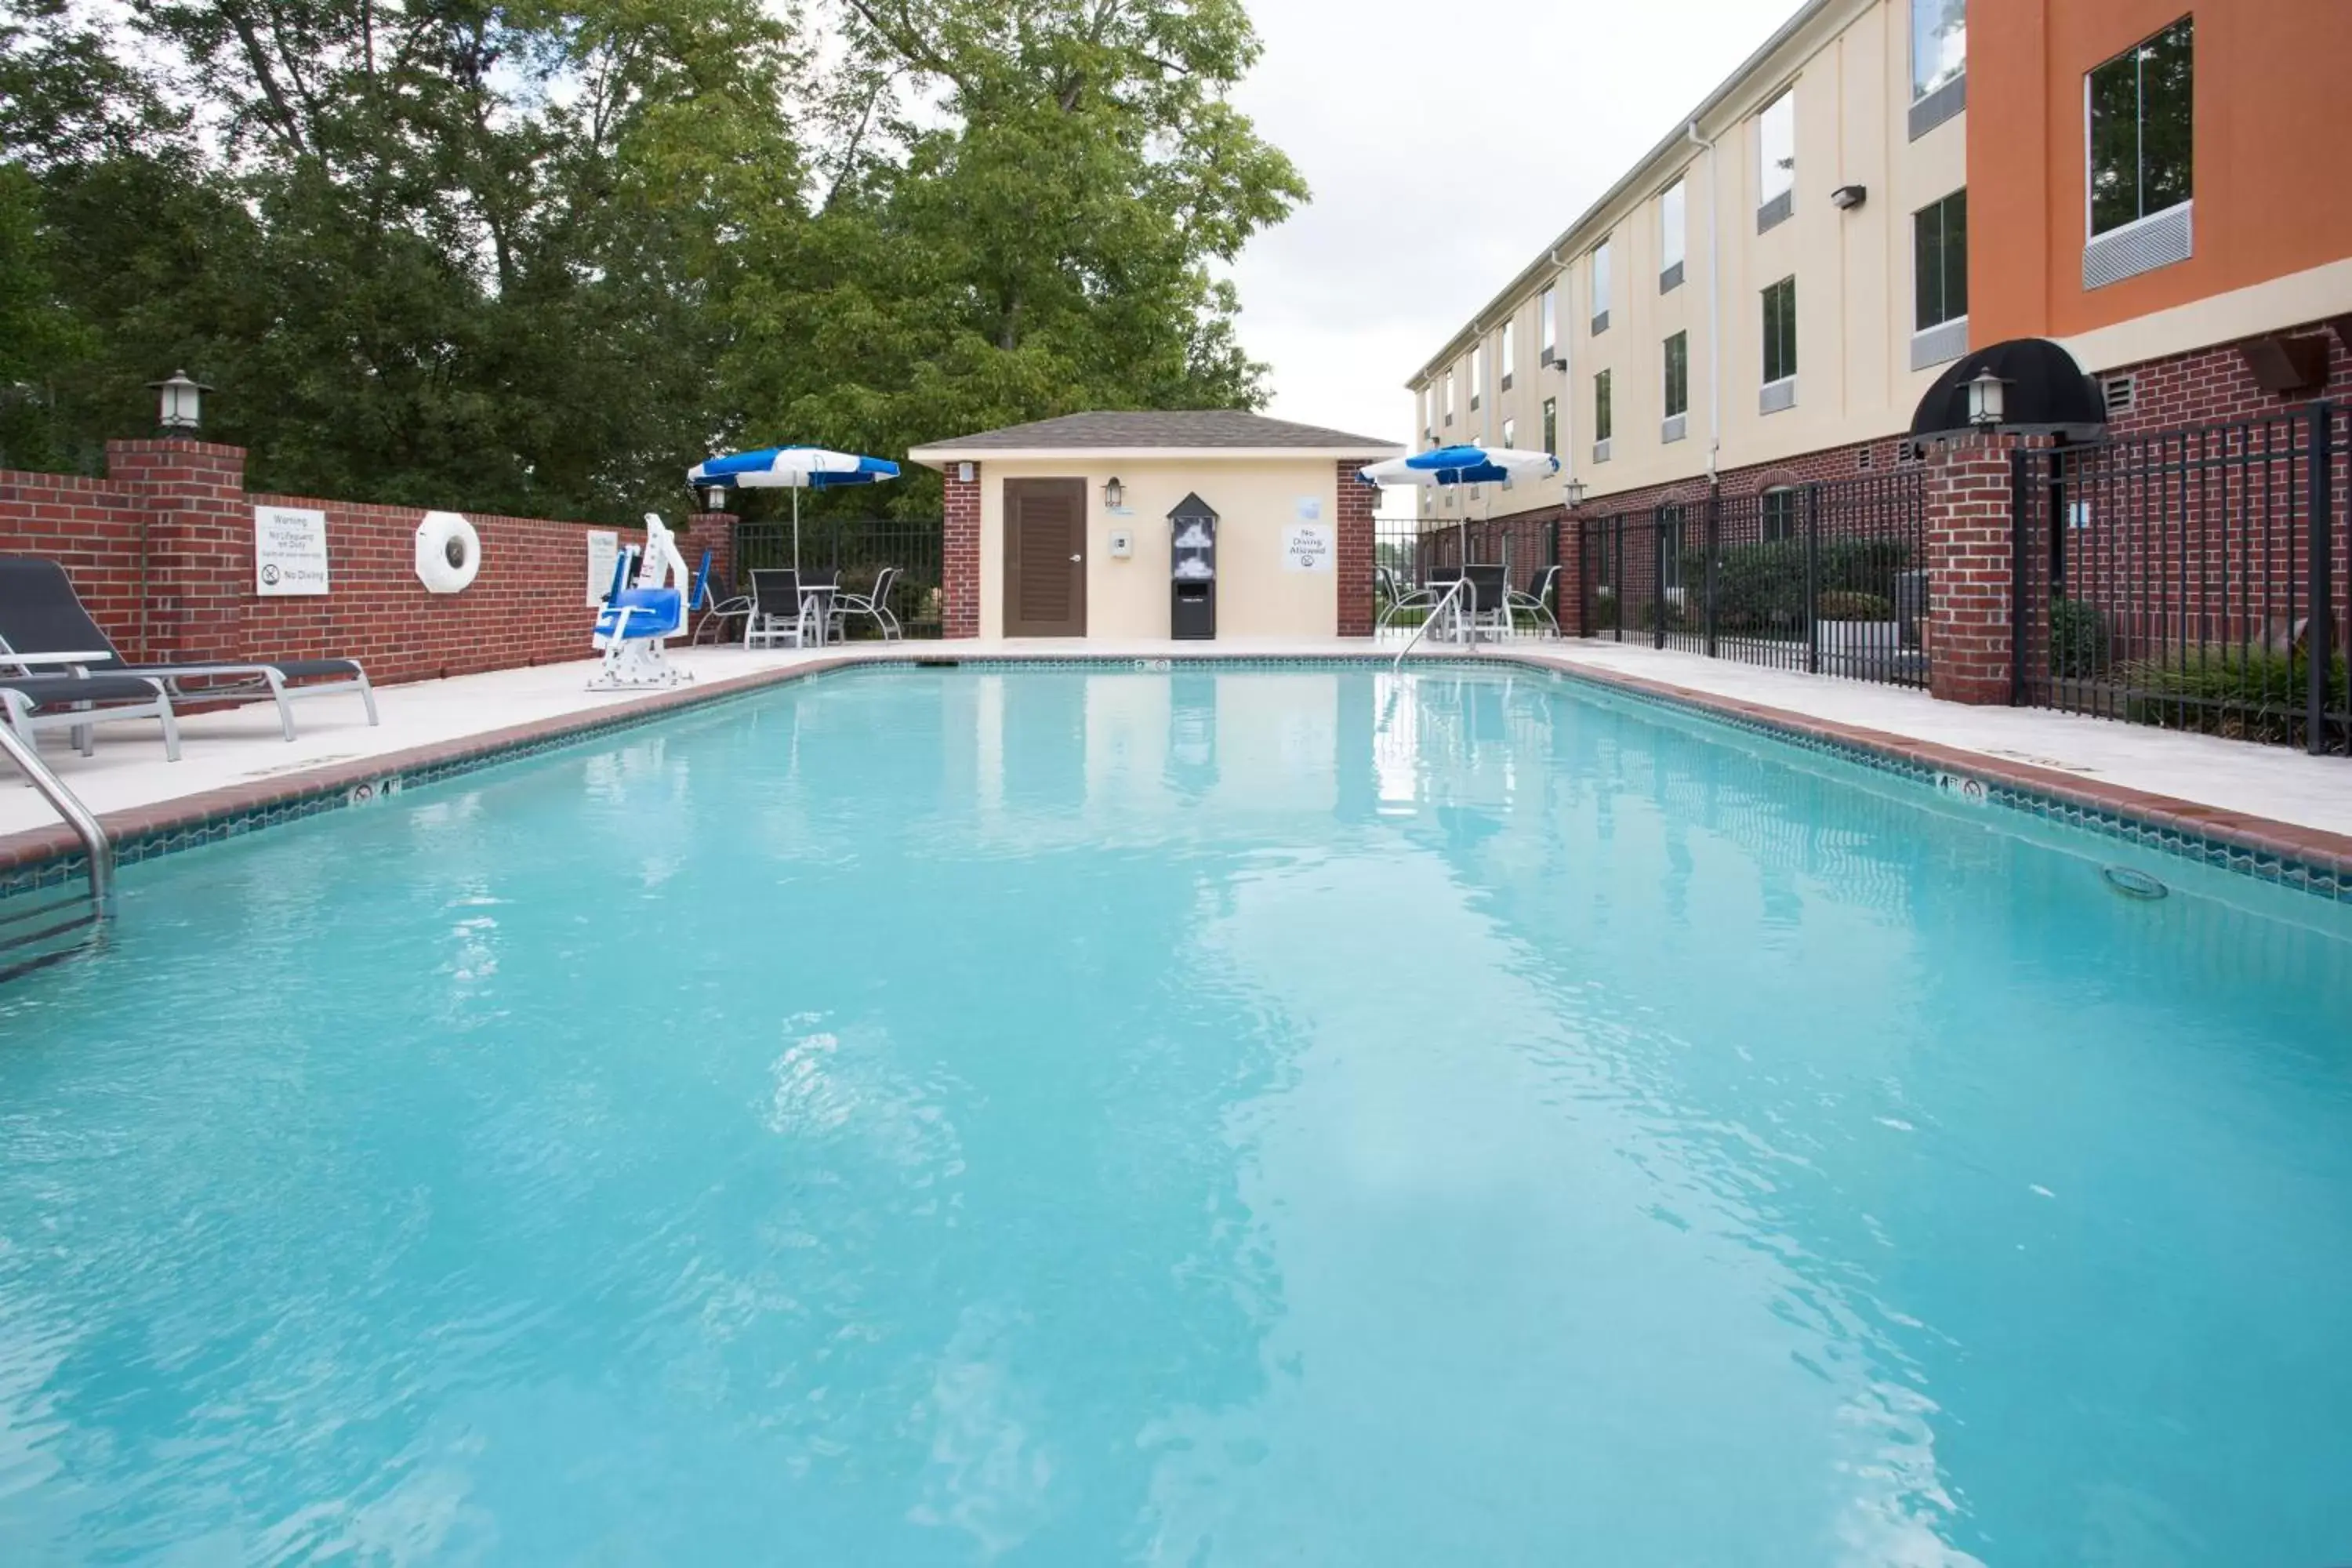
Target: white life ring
[448, 552]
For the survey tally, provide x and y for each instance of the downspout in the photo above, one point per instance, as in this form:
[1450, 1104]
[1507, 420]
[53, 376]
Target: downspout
[1563, 311]
[1713, 291]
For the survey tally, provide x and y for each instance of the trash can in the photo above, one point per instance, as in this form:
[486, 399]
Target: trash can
[1192, 571]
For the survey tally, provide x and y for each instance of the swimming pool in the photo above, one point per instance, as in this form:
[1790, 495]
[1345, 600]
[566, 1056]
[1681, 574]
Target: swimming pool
[1219, 1116]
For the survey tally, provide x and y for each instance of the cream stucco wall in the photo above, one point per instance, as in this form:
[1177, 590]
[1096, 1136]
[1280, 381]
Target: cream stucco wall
[1850, 69]
[1255, 499]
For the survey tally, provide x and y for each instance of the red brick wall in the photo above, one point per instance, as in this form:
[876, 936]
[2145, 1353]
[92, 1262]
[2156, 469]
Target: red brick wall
[527, 607]
[1354, 545]
[959, 572]
[2214, 384]
[1968, 496]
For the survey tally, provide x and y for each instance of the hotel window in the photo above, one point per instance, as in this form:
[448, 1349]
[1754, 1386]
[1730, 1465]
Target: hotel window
[1449, 397]
[1780, 344]
[1510, 353]
[1677, 374]
[1776, 161]
[1429, 412]
[1778, 509]
[1941, 259]
[1551, 426]
[1510, 433]
[2140, 128]
[1602, 424]
[1600, 287]
[1478, 376]
[1939, 45]
[1549, 319]
[1670, 237]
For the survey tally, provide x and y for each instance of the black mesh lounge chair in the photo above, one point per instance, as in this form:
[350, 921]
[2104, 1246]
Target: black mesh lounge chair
[31, 703]
[1535, 603]
[873, 604]
[41, 613]
[779, 610]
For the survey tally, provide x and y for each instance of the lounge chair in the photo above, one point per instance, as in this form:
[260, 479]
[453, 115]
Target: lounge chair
[31, 703]
[721, 603]
[873, 604]
[1490, 592]
[779, 610]
[41, 613]
[1536, 601]
[1400, 598]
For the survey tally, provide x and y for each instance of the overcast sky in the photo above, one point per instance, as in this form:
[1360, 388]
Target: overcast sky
[1377, 100]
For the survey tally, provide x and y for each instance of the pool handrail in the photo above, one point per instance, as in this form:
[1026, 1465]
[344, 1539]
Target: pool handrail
[96, 846]
[1444, 601]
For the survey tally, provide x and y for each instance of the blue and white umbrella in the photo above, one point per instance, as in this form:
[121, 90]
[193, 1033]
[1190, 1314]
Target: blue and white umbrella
[793, 469]
[1463, 465]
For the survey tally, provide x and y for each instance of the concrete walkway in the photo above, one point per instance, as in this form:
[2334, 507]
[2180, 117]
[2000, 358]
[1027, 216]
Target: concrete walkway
[241, 750]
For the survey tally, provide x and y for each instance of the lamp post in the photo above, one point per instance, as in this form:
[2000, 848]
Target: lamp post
[179, 403]
[714, 499]
[1987, 398]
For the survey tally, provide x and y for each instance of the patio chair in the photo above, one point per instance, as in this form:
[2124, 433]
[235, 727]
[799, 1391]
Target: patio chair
[1399, 597]
[41, 613]
[1490, 593]
[721, 603]
[779, 611]
[31, 703]
[873, 604]
[1536, 601]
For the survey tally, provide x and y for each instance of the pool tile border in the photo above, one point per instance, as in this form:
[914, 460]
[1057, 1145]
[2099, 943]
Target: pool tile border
[2307, 860]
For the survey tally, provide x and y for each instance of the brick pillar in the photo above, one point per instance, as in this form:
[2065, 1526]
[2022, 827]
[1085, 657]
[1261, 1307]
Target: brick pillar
[714, 532]
[1572, 575]
[1966, 502]
[196, 558]
[1354, 550]
[959, 557]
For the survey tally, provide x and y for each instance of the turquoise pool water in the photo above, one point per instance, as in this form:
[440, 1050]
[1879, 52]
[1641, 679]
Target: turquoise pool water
[1276, 1116]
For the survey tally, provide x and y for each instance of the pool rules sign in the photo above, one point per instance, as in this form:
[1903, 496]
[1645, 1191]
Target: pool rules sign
[289, 550]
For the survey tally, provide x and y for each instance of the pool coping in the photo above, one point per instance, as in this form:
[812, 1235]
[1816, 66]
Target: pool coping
[2310, 859]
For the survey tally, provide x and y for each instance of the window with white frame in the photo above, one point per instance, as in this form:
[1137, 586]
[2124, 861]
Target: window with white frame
[1551, 426]
[1780, 331]
[1600, 286]
[2141, 129]
[1547, 324]
[1604, 426]
[1510, 353]
[1449, 397]
[1478, 376]
[1510, 432]
[1429, 413]
[1776, 149]
[1940, 234]
[1939, 45]
[1677, 374]
[1671, 236]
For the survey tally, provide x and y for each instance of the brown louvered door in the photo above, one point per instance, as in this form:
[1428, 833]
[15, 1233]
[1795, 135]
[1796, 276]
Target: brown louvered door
[1044, 558]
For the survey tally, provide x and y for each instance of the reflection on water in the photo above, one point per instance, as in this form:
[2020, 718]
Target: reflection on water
[1273, 1115]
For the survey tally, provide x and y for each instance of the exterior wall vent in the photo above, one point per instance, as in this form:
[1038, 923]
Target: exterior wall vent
[2137, 247]
[2118, 392]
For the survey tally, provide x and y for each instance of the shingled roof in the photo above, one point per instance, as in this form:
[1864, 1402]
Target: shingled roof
[1201, 430]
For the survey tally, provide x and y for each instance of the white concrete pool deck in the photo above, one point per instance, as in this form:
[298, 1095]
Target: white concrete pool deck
[240, 749]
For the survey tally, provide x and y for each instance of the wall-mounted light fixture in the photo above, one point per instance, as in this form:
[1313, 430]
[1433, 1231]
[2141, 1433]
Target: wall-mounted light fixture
[179, 401]
[1574, 492]
[1845, 198]
[1114, 494]
[1987, 398]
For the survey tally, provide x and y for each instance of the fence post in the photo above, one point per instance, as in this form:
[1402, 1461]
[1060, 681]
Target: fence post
[2020, 555]
[1812, 579]
[1712, 536]
[1584, 532]
[2319, 641]
[1617, 558]
[1658, 577]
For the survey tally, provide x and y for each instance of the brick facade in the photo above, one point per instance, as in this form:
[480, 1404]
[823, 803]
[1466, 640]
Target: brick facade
[2214, 385]
[960, 559]
[161, 552]
[1355, 551]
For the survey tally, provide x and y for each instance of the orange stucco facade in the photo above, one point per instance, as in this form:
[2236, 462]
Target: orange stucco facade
[2273, 116]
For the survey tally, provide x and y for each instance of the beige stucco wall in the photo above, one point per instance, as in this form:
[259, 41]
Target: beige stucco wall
[1852, 75]
[1255, 499]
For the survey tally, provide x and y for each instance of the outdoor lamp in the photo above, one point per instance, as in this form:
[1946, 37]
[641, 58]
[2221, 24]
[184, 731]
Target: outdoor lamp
[179, 401]
[1574, 493]
[1114, 494]
[1986, 398]
[714, 499]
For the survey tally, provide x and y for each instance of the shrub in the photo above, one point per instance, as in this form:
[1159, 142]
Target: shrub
[2248, 694]
[1850, 604]
[1761, 587]
[2078, 640]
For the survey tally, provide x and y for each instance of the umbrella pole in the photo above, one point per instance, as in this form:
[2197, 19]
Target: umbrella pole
[796, 530]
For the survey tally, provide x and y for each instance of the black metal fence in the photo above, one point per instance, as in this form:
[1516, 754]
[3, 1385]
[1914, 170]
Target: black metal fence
[1411, 553]
[2194, 579]
[1829, 578]
[859, 549]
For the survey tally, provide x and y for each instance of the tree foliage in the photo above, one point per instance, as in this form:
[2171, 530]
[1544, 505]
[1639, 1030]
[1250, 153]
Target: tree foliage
[539, 257]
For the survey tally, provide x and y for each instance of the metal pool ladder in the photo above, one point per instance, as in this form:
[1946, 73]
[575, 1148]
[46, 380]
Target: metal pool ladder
[53, 928]
[1445, 602]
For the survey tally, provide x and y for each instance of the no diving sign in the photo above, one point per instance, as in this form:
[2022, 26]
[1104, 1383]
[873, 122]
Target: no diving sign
[1307, 547]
